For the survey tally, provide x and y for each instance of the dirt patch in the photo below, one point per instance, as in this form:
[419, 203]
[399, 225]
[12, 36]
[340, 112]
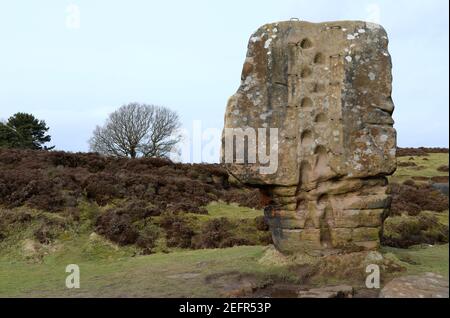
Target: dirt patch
[184, 276]
[234, 284]
[278, 291]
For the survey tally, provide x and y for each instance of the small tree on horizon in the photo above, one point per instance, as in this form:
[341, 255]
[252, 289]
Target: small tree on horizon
[137, 130]
[24, 131]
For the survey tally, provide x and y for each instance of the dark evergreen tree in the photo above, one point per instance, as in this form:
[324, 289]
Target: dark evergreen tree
[24, 131]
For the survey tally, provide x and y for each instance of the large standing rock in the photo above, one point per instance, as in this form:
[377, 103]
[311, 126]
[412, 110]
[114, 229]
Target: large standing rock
[326, 87]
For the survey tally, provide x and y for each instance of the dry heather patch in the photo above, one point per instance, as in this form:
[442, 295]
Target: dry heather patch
[422, 151]
[443, 168]
[413, 197]
[142, 201]
[53, 181]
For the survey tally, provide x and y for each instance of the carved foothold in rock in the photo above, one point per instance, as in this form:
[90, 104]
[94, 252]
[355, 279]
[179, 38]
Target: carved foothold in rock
[319, 97]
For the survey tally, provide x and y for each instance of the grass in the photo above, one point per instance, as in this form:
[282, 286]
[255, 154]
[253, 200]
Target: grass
[178, 274]
[242, 221]
[111, 271]
[426, 167]
[422, 259]
[108, 270]
[231, 211]
[442, 217]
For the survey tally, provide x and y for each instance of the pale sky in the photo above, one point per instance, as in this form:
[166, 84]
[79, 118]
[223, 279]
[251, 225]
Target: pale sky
[188, 55]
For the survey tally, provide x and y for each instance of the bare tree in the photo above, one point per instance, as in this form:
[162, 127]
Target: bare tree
[137, 130]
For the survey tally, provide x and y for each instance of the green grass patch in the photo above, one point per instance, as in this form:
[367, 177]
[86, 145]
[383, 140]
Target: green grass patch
[425, 167]
[441, 216]
[422, 259]
[230, 211]
[179, 274]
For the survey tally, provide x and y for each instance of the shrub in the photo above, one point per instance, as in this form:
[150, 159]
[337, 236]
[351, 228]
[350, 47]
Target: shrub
[120, 224]
[45, 234]
[234, 241]
[117, 228]
[443, 168]
[440, 179]
[405, 231]
[49, 228]
[261, 224]
[74, 185]
[102, 188]
[407, 164]
[214, 234]
[422, 151]
[179, 232]
[53, 181]
[412, 198]
[251, 198]
[147, 238]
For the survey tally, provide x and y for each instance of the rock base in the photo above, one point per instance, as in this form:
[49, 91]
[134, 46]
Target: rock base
[343, 214]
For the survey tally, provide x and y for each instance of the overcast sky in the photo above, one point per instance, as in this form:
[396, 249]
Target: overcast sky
[188, 55]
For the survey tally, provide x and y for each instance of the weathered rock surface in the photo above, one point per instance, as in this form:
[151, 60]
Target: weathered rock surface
[428, 285]
[326, 87]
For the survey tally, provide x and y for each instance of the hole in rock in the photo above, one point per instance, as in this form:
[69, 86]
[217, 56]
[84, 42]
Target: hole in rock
[305, 172]
[322, 200]
[307, 102]
[307, 138]
[319, 59]
[321, 159]
[306, 72]
[306, 44]
[318, 88]
[325, 230]
[321, 118]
